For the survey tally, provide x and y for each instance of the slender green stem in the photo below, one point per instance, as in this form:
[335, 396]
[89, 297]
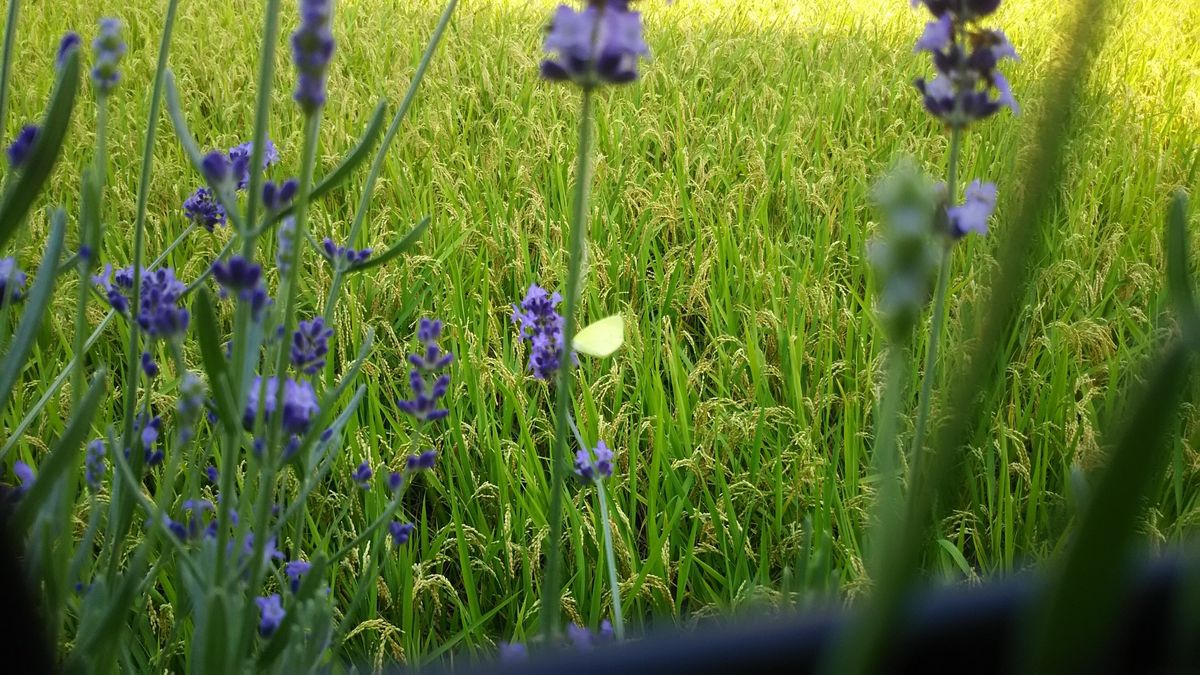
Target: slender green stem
[552, 592]
[368, 193]
[938, 319]
[262, 112]
[10, 36]
[88, 238]
[614, 586]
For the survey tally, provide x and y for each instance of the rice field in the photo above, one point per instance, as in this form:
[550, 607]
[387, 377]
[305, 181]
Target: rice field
[729, 220]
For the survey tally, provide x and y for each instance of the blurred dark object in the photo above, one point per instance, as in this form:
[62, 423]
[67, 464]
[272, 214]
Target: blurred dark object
[23, 642]
[947, 630]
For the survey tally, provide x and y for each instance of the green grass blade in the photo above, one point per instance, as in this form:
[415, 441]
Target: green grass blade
[308, 588]
[24, 190]
[400, 248]
[10, 37]
[1179, 280]
[35, 309]
[214, 360]
[62, 458]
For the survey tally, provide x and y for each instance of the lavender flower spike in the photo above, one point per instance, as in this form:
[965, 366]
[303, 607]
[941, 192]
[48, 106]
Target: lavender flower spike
[312, 49]
[271, 614]
[10, 274]
[973, 214]
[601, 44]
[540, 324]
[426, 379]
[108, 48]
[21, 148]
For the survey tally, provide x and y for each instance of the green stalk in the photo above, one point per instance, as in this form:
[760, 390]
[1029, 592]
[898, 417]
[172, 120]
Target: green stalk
[262, 112]
[368, 193]
[85, 239]
[139, 236]
[552, 593]
[10, 36]
[938, 319]
[614, 586]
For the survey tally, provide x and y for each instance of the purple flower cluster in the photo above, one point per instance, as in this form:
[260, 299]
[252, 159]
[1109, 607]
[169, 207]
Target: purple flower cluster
[240, 277]
[271, 614]
[148, 429]
[295, 571]
[108, 48]
[195, 521]
[25, 474]
[12, 281]
[541, 326]
[968, 86]
[592, 470]
[584, 640]
[426, 379]
[190, 405]
[972, 215]
[422, 462]
[344, 254]
[312, 49]
[285, 248]
[300, 404]
[310, 344]
[159, 313]
[239, 160]
[362, 475]
[93, 463]
[601, 44]
[277, 197]
[69, 43]
[203, 209]
[21, 148]
[400, 532]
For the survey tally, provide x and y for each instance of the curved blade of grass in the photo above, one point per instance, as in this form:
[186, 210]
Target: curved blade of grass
[46, 149]
[184, 134]
[35, 308]
[400, 248]
[60, 460]
[1089, 584]
[214, 360]
[1179, 271]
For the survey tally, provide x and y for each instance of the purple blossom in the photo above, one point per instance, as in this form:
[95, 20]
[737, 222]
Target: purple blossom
[513, 652]
[972, 215]
[395, 480]
[584, 640]
[211, 474]
[270, 614]
[217, 169]
[12, 281]
[937, 36]
[312, 49]
[277, 197]
[593, 470]
[159, 313]
[239, 160]
[541, 326]
[108, 48]
[94, 466]
[189, 405]
[203, 209]
[299, 404]
[586, 53]
[310, 344]
[285, 250]
[149, 366]
[21, 148]
[400, 532]
[70, 42]
[295, 571]
[344, 255]
[362, 475]
[423, 461]
[24, 472]
[426, 379]
[242, 278]
[148, 429]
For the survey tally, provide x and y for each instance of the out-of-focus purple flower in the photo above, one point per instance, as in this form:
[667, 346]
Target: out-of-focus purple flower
[211, 474]
[159, 313]
[197, 511]
[203, 209]
[190, 405]
[362, 475]
[963, 9]
[149, 365]
[540, 324]
[242, 278]
[395, 480]
[312, 49]
[593, 46]
[285, 250]
[93, 463]
[108, 48]
[592, 470]
[270, 552]
[400, 532]
[972, 215]
[580, 637]
[513, 652]
[426, 379]
[69, 43]
[295, 571]
[310, 344]
[937, 35]
[271, 614]
[217, 169]
[239, 160]
[21, 148]
[277, 197]
[423, 461]
[24, 472]
[148, 429]
[300, 404]
[342, 255]
[12, 281]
